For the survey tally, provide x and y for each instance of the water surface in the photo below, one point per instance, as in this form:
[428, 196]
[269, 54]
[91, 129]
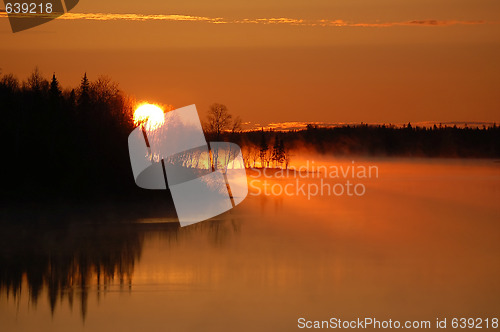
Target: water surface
[422, 242]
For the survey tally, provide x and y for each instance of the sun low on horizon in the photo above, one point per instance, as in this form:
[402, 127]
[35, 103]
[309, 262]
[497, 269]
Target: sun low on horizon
[149, 115]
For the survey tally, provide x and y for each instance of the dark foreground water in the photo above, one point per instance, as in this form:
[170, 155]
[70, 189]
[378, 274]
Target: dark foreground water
[422, 243]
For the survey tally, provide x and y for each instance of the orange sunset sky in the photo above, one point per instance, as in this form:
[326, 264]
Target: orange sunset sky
[274, 61]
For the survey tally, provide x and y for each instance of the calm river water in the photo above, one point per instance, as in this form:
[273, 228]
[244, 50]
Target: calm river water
[422, 242]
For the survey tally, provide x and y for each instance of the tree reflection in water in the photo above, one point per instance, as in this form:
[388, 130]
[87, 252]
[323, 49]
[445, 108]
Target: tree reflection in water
[68, 260]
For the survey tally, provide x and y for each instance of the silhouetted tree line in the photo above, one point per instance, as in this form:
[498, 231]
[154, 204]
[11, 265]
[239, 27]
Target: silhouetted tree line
[64, 142]
[276, 148]
[272, 148]
[73, 142]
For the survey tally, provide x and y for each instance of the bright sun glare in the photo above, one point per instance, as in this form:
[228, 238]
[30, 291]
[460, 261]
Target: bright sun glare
[149, 115]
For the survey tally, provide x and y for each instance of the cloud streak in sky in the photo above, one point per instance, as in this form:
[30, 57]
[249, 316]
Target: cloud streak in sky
[256, 21]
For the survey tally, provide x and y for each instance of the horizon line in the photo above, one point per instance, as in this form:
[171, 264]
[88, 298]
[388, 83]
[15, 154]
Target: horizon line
[301, 125]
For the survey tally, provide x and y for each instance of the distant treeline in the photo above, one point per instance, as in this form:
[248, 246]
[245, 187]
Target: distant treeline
[73, 142]
[273, 148]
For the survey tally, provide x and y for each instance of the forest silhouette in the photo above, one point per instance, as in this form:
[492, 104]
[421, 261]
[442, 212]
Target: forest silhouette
[277, 148]
[70, 142]
[73, 142]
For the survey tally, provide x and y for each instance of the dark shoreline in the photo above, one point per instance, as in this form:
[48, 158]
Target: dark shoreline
[101, 208]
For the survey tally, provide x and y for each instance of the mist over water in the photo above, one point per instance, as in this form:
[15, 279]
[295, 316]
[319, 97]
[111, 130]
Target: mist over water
[422, 242]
